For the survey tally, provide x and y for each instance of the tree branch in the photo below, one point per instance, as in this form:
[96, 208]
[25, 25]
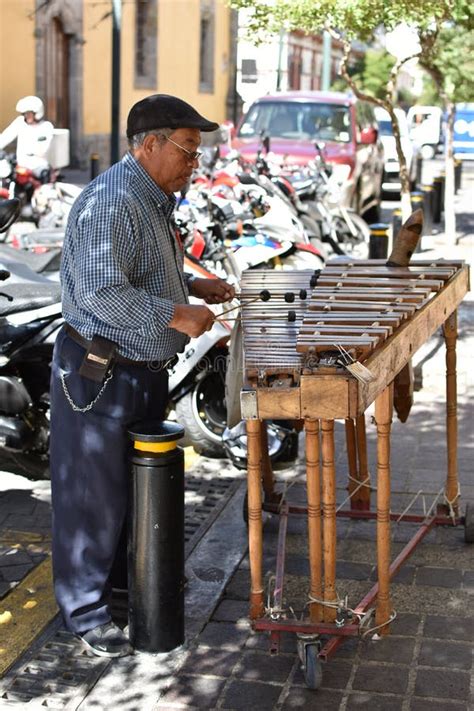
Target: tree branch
[344, 70]
[391, 83]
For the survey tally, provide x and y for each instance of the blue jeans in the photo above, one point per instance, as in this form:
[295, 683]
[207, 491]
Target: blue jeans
[89, 476]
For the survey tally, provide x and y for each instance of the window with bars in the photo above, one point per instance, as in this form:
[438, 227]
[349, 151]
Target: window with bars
[206, 47]
[146, 43]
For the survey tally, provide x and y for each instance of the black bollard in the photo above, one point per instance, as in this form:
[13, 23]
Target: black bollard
[428, 194]
[417, 202]
[457, 174]
[94, 166]
[419, 170]
[378, 242]
[437, 192]
[156, 538]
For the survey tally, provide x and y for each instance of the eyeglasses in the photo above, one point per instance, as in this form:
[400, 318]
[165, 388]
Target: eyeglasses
[192, 155]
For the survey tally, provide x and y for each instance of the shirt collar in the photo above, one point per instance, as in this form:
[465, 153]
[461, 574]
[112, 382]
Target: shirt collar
[168, 202]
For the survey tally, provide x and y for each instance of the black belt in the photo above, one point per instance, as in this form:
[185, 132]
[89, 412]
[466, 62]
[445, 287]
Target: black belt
[153, 365]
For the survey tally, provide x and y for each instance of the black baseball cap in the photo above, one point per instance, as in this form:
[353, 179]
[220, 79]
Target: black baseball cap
[165, 111]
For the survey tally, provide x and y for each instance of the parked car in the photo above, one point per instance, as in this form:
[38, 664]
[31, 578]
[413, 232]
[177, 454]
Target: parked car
[295, 120]
[391, 172]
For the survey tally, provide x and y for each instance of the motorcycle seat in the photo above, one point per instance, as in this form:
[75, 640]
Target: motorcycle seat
[47, 262]
[27, 297]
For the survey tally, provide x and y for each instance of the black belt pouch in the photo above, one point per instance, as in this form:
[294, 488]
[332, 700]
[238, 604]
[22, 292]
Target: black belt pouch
[98, 358]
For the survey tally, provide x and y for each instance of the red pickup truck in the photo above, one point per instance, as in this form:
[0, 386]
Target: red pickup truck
[347, 127]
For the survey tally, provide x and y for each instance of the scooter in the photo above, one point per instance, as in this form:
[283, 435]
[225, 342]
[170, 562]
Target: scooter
[45, 200]
[30, 318]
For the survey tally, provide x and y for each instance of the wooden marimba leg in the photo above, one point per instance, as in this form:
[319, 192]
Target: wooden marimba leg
[254, 457]
[313, 484]
[329, 517]
[383, 419]
[450, 330]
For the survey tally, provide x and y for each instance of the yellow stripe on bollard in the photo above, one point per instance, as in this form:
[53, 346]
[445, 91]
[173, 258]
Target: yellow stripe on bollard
[155, 446]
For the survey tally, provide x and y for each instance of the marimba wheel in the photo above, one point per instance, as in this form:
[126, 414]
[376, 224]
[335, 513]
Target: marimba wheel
[312, 665]
[469, 524]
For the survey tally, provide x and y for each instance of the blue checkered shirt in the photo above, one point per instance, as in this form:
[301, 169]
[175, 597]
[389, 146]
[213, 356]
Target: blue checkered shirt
[122, 268]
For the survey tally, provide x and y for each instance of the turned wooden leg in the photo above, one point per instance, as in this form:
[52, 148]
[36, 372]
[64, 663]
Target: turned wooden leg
[383, 419]
[313, 484]
[254, 456]
[450, 330]
[329, 517]
[268, 479]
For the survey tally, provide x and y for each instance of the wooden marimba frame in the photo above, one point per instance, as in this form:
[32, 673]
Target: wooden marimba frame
[282, 381]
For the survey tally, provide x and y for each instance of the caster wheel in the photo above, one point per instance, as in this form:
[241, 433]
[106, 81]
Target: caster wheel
[312, 667]
[469, 524]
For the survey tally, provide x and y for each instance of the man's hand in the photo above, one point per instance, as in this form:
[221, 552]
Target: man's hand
[212, 291]
[192, 320]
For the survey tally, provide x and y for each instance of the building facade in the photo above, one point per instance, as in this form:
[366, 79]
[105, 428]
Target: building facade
[285, 62]
[61, 50]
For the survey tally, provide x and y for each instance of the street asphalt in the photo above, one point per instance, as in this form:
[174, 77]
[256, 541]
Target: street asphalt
[425, 663]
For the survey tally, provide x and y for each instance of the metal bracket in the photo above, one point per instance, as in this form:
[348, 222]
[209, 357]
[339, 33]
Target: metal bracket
[248, 404]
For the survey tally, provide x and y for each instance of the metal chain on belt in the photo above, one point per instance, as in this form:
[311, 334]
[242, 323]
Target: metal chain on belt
[88, 407]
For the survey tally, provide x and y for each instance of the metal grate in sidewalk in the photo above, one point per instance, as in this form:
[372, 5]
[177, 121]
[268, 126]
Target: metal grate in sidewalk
[204, 500]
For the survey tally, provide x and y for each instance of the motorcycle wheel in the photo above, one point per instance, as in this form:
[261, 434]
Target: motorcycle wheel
[202, 413]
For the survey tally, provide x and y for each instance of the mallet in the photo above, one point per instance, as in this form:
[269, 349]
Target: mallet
[263, 296]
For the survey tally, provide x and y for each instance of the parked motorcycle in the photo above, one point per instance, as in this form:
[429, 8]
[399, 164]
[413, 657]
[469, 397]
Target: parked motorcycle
[30, 317]
[45, 200]
[234, 226]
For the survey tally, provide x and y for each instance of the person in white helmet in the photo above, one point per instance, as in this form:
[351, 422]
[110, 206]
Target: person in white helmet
[32, 133]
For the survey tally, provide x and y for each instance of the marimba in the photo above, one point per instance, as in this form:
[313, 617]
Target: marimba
[325, 347]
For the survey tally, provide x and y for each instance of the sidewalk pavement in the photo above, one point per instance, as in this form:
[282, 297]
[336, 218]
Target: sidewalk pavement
[426, 663]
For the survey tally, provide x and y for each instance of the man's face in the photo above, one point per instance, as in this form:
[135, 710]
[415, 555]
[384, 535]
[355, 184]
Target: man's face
[29, 116]
[169, 166]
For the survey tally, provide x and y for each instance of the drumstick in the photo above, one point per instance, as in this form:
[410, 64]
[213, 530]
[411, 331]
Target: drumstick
[290, 317]
[263, 296]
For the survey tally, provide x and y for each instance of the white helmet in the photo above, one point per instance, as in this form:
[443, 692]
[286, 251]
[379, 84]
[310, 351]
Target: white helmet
[31, 103]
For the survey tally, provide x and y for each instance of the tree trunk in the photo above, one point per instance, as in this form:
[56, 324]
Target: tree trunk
[449, 215]
[404, 177]
[387, 104]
